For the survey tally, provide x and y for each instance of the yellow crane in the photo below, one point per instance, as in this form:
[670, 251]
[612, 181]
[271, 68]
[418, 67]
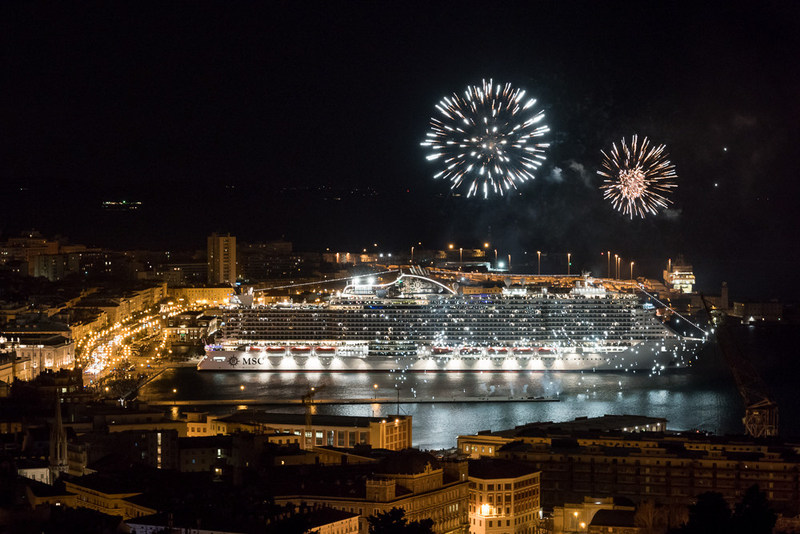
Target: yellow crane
[308, 402]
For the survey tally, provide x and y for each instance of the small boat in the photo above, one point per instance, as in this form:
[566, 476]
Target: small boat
[276, 349]
[325, 350]
[442, 350]
[301, 350]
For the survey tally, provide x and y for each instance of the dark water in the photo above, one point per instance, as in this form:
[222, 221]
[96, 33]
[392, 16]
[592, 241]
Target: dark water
[775, 353]
[703, 397]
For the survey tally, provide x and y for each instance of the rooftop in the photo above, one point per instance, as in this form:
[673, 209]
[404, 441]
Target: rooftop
[606, 423]
[613, 518]
[41, 489]
[267, 418]
[486, 469]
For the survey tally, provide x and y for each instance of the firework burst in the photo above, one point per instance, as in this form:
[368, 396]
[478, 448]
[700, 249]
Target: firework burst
[638, 177]
[487, 140]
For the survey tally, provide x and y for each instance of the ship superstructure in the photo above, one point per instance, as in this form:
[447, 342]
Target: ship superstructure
[416, 323]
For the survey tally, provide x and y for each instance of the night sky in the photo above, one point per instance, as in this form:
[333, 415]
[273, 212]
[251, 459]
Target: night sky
[305, 121]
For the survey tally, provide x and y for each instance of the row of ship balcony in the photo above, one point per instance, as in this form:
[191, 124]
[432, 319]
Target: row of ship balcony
[434, 350]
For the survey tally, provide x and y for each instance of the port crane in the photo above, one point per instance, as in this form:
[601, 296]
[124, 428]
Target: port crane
[308, 403]
[760, 411]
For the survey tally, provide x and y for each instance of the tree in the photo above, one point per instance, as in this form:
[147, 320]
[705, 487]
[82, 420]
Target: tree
[753, 514]
[649, 517]
[710, 515]
[395, 522]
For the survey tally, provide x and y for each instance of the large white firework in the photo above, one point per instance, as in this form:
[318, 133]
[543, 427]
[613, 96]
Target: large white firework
[637, 177]
[488, 140]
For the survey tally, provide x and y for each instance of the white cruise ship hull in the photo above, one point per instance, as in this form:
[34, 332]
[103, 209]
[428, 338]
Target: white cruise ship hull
[648, 356]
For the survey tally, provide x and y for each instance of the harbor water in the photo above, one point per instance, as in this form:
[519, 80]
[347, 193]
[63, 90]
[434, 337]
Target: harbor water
[703, 397]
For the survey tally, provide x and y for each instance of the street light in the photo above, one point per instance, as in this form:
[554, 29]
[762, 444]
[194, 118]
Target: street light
[539, 262]
[569, 261]
[608, 260]
[631, 270]
[375, 387]
[460, 255]
[412, 255]
[509, 262]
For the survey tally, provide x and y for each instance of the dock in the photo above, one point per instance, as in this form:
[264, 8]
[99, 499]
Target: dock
[262, 401]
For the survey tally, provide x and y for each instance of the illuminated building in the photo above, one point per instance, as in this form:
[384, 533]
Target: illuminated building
[221, 259]
[25, 248]
[189, 327]
[391, 432]
[215, 296]
[417, 482]
[679, 276]
[751, 312]
[504, 497]
[586, 458]
[28, 355]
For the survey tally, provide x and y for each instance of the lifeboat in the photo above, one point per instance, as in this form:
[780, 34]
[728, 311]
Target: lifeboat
[523, 355]
[255, 349]
[325, 355]
[300, 354]
[470, 350]
[442, 350]
[275, 355]
[546, 351]
[497, 350]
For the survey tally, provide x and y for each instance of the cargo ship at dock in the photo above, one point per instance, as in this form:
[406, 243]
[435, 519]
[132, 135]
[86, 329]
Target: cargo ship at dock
[417, 323]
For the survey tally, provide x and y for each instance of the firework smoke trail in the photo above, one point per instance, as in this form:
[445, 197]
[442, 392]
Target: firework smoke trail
[637, 177]
[487, 140]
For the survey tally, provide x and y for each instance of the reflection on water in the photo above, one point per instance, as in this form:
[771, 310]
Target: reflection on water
[703, 398]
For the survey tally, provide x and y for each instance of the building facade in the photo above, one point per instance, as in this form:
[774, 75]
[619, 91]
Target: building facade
[390, 432]
[413, 481]
[667, 468]
[504, 497]
[221, 259]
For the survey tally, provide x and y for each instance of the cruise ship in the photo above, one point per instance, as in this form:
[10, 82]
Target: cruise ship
[417, 323]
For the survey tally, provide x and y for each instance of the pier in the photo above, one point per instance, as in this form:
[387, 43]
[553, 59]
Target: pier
[334, 402]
